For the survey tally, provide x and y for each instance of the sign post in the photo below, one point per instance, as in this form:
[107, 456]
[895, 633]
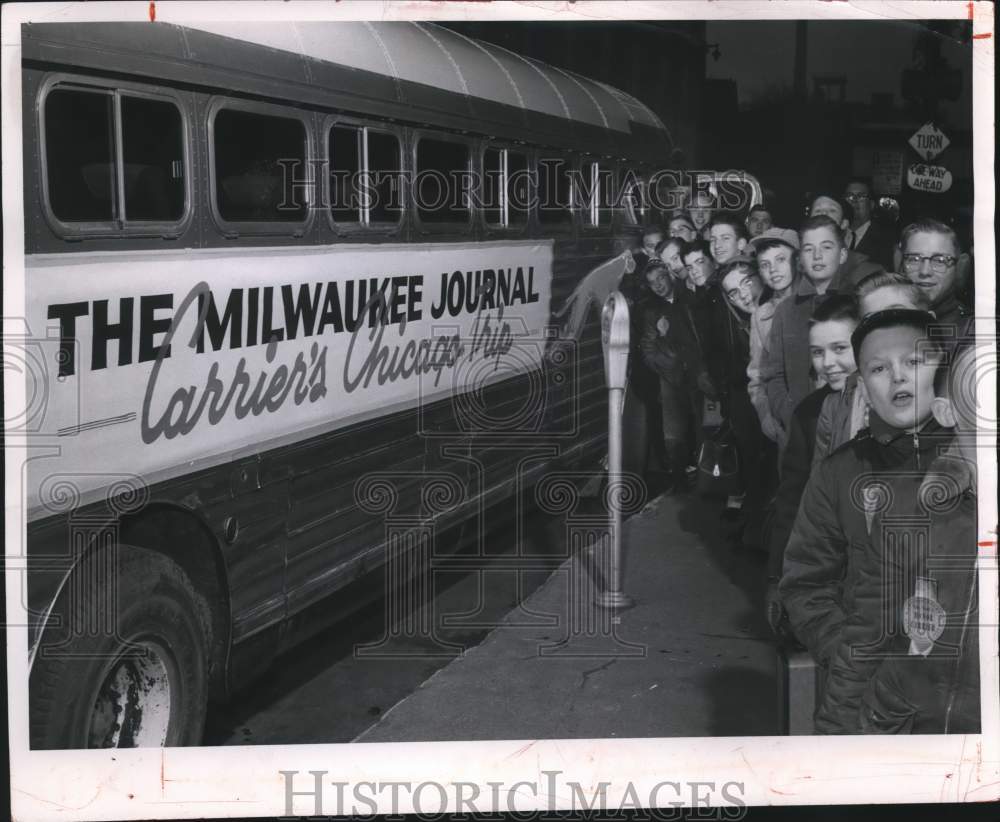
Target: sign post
[615, 338]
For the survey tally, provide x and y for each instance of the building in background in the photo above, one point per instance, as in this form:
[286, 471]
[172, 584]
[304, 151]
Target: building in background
[828, 99]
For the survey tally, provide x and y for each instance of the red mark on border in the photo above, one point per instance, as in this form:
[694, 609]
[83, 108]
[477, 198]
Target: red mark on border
[987, 544]
[970, 9]
[985, 36]
[152, 11]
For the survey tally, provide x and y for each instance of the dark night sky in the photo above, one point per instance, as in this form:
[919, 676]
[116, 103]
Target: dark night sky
[759, 56]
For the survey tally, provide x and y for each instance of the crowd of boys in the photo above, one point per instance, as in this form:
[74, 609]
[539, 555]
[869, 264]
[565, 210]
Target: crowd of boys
[839, 354]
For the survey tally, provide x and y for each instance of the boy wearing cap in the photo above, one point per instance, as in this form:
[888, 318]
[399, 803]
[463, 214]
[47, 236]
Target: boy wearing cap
[849, 506]
[777, 253]
[930, 683]
[845, 412]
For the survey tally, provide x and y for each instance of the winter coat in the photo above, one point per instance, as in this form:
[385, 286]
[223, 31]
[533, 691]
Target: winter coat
[705, 304]
[642, 379]
[858, 266]
[785, 368]
[760, 329]
[736, 347]
[674, 356]
[832, 572]
[843, 414]
[951, 312]
[936, 691]
[878, 244]
[796, 464]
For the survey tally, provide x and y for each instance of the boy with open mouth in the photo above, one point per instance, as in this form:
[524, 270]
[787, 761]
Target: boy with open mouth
[849, 506]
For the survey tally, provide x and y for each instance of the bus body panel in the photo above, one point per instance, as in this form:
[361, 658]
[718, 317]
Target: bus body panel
[294, 461]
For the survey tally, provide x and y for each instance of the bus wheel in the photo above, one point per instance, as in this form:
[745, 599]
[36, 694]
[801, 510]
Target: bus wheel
[123, 663]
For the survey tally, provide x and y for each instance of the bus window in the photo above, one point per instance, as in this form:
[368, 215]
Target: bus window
[153, 152]
[442, 181]
[518, 189]
[345, 153]
[79, 155]
[595, 193]
[385, 166]
[494, 175]
[253, 152]
[82, 170]
[633, 197]
[505, 188]
[554, 187]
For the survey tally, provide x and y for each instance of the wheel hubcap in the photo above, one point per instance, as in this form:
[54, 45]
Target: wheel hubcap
[132, 709]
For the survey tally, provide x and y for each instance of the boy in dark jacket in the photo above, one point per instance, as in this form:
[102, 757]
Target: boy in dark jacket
[930, 681]
[705, 303]
[830, 331]
[670, 350]
[854, 504]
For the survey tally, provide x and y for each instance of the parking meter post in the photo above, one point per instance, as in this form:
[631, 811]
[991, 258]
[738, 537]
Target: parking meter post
[615, 339]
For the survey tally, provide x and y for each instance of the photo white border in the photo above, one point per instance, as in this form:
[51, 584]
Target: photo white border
[245, 781]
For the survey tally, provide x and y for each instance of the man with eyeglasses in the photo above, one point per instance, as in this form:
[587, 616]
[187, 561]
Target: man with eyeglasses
[932, 260]
[868, 236]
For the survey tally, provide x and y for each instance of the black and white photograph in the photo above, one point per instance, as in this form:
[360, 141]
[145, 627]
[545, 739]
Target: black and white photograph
[498, 407]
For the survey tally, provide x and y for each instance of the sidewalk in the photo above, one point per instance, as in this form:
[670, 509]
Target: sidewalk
[692, 658]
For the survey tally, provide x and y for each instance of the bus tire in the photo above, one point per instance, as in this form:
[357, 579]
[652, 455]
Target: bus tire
[142, 685]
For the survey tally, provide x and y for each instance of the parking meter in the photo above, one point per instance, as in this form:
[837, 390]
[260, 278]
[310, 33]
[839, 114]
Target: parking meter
[615, 339]
[615, 330]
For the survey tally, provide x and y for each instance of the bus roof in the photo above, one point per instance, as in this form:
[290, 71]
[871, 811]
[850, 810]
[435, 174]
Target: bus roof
[407, 71]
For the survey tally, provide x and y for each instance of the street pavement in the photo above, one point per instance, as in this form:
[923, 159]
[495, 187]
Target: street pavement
[692, 657]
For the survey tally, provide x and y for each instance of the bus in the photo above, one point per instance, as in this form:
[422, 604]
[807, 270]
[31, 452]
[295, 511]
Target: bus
[286, 283]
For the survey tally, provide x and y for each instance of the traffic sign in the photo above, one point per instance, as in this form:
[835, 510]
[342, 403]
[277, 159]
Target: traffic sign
[929, 141]
[922, 177]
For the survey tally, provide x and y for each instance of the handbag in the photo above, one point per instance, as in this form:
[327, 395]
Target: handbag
[719, 464]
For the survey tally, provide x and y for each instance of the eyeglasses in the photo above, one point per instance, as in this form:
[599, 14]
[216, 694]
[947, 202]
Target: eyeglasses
[854, 198]
[940, 263]
[744, 285]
